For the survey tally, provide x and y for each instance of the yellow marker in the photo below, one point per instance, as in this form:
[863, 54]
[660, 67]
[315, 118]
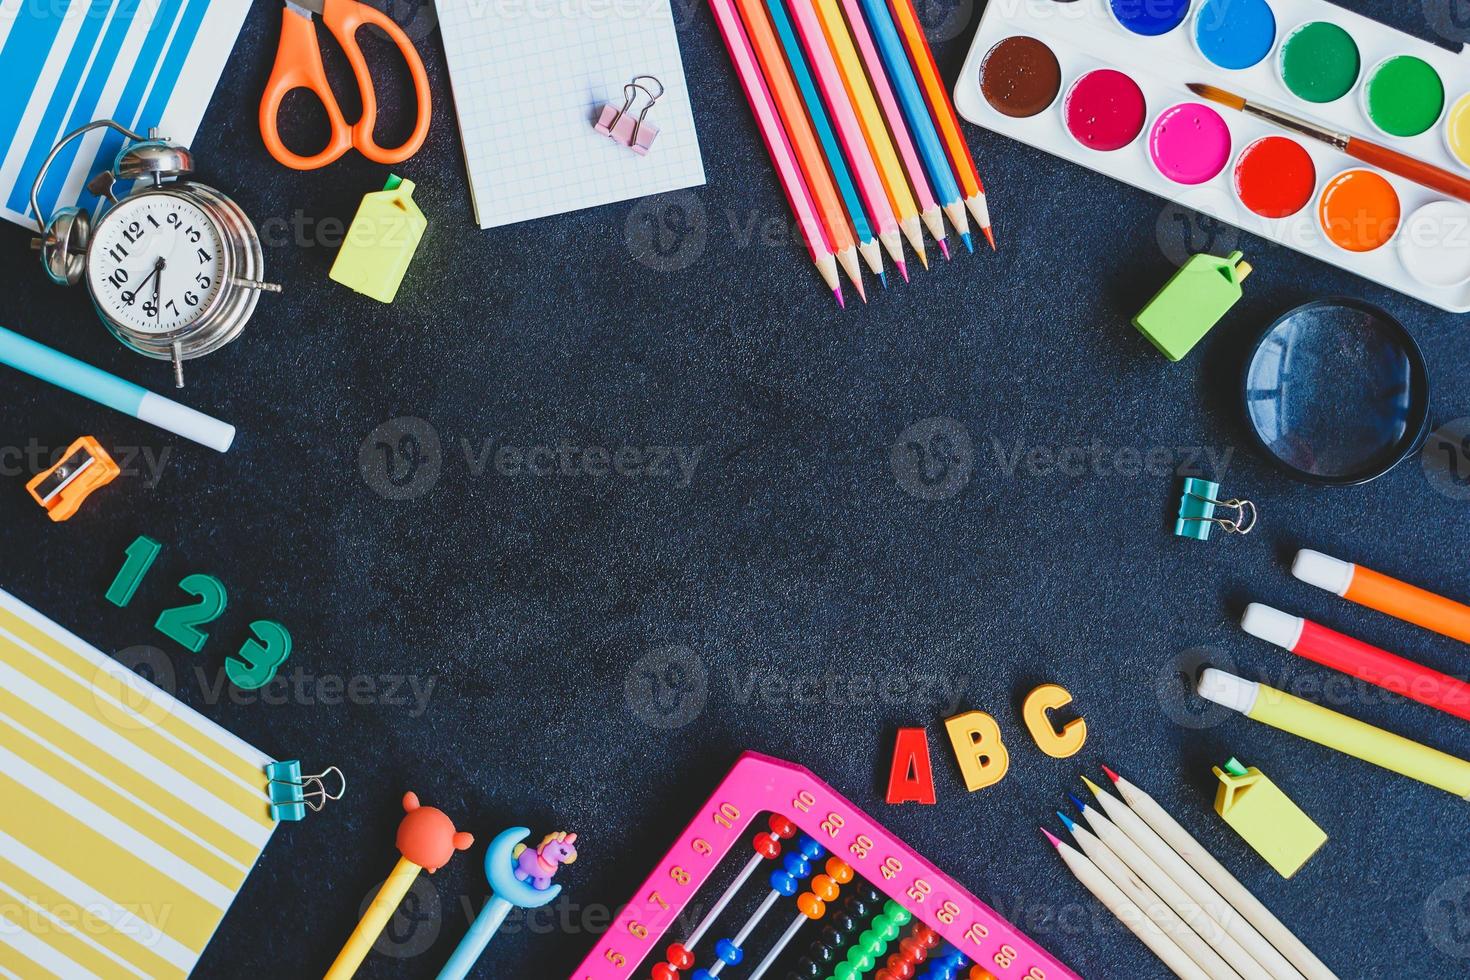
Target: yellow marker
[1057, 744]
[982, 756]
[1258, 811]
[870, 117]
[1324, 726]
[381, 242]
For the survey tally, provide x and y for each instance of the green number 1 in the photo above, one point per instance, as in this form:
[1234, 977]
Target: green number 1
[141, 554]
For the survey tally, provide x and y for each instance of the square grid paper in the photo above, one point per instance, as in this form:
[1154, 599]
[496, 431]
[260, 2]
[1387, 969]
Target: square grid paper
[530, 77]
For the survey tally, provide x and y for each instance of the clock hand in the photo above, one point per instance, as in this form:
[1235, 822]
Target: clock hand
[158, 287]
[157, 266]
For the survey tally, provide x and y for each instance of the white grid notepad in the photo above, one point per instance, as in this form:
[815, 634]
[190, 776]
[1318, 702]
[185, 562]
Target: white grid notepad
[531, 76]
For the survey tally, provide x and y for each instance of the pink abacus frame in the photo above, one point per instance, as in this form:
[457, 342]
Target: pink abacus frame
[760, 783]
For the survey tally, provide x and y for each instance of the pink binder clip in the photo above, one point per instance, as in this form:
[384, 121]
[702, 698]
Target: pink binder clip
[617, 124]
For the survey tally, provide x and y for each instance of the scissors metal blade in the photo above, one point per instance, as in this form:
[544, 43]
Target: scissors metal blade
[306, 7]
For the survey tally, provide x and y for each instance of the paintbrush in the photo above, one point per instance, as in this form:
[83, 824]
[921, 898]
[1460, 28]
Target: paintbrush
[1410, 168]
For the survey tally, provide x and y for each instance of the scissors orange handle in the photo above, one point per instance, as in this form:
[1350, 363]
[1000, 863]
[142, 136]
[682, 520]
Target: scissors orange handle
[299, 65]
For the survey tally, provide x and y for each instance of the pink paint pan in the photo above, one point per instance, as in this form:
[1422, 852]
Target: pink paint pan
[1104, 110]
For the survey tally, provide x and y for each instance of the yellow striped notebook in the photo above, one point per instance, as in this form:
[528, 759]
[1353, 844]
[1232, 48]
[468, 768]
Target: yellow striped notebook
[128, 821]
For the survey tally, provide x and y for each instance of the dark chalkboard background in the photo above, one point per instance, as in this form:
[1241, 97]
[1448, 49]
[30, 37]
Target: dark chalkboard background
[601, 648]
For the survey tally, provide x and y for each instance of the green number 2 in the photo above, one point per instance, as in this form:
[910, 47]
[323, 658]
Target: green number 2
[259, 658]
[181, 623]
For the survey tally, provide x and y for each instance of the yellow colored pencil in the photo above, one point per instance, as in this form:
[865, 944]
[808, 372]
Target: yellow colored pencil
[870, 116]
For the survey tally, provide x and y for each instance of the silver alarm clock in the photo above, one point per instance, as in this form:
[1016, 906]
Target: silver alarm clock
[174, 267]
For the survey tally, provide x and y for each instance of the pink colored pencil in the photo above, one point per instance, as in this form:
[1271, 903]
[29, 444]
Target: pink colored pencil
[850, 132]
[764, 107]
[929, 207]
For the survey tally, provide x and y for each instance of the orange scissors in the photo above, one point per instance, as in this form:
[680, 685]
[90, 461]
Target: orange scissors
[299, 65]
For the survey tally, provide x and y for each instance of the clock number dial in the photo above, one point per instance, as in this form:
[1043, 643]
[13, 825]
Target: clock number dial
[156, 264]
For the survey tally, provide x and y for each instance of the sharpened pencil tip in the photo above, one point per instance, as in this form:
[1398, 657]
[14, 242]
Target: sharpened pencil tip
[1055, 842]
[969, 242]
[883, 278]
[1067, 821]
[1096, 789]
[989, 236]
[903, 270]
[1111, 775]
[1076, 802]
[840, 301]
[944, 247]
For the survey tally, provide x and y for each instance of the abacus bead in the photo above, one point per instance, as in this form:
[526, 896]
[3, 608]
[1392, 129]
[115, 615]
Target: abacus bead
[980, 973]
[797, 864]
[665, 972]
[808, 969]
[863, 963]
[839, 870]
[702, 975]
[784, 883]
[781, 827]
[897, 913]
[901, 970]
[871, 943]
[846, 971]
[889, 932]
[811, 906]
[885, 974]
[729, 952]
[843, 921]
[679, 957]
[811, 848]
[824, 888]
[766, 846]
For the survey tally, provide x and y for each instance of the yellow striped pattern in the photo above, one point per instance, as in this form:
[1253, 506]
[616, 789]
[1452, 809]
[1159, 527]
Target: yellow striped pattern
[129, 821]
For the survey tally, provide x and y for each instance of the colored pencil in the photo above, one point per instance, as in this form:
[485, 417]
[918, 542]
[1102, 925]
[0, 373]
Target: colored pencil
[943, 110]
[808, 154]
[1141, 863]
[1275, 935]
[767, 119]
[1267, 705]
[1153, 906]
[850, 132]
[867, 242]
[1315, 642]
[929, 211]
[911, 100]
[1127, 911]
[869, 116]
[1387, 595]
[1122, 821]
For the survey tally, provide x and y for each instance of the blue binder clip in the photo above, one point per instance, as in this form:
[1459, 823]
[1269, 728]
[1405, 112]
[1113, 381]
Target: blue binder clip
[1197, 511]
[292, 794]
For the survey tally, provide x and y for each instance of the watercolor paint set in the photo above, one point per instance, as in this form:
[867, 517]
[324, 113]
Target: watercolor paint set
[1103, 83]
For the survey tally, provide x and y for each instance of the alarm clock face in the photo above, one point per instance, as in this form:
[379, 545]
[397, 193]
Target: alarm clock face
[155, 263]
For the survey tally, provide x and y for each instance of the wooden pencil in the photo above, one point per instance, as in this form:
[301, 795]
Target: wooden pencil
[777, 144]
[1127, 912]
[944, 114]
[803, 140]
[1222, 884]
[1153, 906]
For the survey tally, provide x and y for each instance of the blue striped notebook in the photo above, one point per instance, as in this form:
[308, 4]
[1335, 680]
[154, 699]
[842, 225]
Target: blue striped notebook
[68, 62]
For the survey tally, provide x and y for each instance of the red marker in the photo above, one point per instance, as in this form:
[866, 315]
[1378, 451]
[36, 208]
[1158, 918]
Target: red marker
[1362, 660]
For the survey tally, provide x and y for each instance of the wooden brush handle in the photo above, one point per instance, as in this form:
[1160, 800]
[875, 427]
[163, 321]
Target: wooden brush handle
[1410, 168]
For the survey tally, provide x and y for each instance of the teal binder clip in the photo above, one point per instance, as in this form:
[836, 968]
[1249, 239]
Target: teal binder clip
[291, 794]
[1197, 511]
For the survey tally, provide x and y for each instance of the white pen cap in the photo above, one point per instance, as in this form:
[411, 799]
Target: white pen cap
[1323, 571]
[1272, 625]
[1233, 692]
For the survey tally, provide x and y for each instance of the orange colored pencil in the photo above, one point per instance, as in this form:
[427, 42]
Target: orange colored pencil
[768, 52]
[942, 109]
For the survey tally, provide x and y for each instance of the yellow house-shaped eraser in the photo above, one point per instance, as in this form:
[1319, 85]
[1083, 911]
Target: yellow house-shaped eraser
[1268, 820]
[381, 242]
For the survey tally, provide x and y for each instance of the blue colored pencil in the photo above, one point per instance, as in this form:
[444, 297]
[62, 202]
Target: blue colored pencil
[916, 111]
[867, 240]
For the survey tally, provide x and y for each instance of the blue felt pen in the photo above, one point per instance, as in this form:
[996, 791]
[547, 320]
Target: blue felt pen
[79, 377]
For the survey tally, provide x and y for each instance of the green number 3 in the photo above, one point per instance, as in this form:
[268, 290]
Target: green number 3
[260, 657]
[181, 624]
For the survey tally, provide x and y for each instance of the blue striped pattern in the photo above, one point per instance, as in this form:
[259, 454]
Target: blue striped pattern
[84, 110]
[26, 49]
[54, 116]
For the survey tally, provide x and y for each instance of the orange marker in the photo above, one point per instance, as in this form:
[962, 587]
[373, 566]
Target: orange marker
[942, 109]
[803, 140]
[1388, 595]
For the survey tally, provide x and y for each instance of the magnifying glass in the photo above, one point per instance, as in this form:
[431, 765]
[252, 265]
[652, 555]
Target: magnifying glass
[1337, 393]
